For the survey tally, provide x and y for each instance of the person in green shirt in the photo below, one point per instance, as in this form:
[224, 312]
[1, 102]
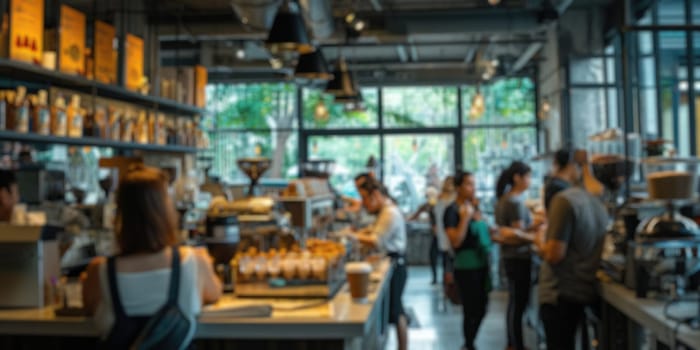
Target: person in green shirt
[470, 237]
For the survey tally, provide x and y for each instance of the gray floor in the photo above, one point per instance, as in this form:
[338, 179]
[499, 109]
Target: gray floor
[440, 323]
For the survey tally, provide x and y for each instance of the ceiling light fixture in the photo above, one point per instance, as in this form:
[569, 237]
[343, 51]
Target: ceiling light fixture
[354, 25]
[478, 105]
[288, 33]
[343, 86]
[321, 113]
[240, 53]
[312, 67]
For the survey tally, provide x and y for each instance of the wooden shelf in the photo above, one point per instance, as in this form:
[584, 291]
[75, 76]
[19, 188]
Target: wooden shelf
[27, 72]
[92, 141]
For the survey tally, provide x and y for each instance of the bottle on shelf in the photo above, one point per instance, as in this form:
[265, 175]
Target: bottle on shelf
[90, 124]
[11, 110]
[152, 128]
[59, 119]
[161, 130]
[21, 115]
[171, 137]
[128, 127]
[181, 132]
[101, 122]
[75, 117]
[141, 128]
[115, 128]
[3, 110]
[41, 116]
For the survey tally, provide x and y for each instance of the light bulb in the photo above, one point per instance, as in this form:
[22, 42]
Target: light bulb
[240, 54]
[321, 111]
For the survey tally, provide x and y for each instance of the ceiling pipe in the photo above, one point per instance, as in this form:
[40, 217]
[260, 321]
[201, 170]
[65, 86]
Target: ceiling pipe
[256, 14]
[527, 55]
[319, 16]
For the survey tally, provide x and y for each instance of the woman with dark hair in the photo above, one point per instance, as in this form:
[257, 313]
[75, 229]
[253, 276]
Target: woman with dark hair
[469, 237]
[132, 286]
[388, 234]
[511, 213]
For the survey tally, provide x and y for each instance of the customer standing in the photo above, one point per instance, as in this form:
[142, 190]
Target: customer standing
[571, 252]
[9, 194]
[427, 207]
[511, 212]
[470, 239]
[114, 289]
[388, 233]
[445, 199]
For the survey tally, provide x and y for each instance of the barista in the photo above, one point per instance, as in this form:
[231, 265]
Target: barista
[388, 234]
[9, 194]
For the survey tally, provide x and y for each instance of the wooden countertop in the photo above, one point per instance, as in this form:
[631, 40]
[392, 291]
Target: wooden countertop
[649, 313]
[339, 317]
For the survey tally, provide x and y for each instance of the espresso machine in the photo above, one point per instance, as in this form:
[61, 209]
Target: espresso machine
[663, 257]
[233, 226]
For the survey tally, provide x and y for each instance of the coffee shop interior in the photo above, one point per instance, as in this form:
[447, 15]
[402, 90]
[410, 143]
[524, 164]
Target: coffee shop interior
[350, 174]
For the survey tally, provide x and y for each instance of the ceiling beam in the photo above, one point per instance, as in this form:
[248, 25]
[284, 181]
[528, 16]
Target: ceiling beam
[401, 51]
[414, 54]
[395, 42]
[376, 5]
[526, 56]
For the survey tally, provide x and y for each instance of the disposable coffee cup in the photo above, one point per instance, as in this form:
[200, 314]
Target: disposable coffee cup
[358, 279]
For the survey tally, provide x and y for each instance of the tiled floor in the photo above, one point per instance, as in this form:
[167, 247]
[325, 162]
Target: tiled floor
[441, 323]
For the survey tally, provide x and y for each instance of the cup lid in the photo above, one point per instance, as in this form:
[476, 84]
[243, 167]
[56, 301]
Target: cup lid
[358, 267]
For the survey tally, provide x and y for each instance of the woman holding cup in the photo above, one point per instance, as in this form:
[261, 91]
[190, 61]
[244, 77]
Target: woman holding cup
[388, 234]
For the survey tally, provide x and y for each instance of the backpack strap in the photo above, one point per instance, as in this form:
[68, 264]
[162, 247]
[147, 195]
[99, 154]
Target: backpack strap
[113, 290]
[174, 288]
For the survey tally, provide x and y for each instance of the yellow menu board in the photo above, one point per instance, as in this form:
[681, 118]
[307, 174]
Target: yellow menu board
[27, 30]
[105, 55]
[134, 62]
[200, 78]
[71, 58]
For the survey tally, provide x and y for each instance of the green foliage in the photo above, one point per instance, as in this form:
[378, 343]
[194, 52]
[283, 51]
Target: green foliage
[509, 100]
[338, 116]
[420, 106]
[254, 106]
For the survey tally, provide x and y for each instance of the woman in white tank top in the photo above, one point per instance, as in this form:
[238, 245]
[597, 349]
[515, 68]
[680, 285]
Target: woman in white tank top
[146, 231]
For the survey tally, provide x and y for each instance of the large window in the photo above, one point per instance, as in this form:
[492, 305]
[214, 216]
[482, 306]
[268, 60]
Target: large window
[320, 111]
[661, 102]
[413, 133]
[350, 154]
[254, 120]
[505, 101]
[415, 162]
[406, 107]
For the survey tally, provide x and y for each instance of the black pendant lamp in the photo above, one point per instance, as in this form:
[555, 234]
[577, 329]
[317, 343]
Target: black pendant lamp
[312, 67]
[343, 86]
[288, 33]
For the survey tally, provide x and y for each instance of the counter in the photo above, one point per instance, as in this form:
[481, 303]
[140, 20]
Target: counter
[625, 314]
[338, 323]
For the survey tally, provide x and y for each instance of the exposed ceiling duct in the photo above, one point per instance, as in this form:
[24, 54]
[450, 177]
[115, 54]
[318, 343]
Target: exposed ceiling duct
[257, 14]
[319, 16]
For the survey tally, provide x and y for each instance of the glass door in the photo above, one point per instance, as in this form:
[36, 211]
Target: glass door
[414, 162]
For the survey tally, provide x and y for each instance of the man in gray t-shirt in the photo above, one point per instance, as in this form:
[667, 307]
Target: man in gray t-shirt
[571, 254]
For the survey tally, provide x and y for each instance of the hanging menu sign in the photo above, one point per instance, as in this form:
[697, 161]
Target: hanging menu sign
[105, 55]
[71, 58]
[26, 30]
[200, 78]
[134, 62]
